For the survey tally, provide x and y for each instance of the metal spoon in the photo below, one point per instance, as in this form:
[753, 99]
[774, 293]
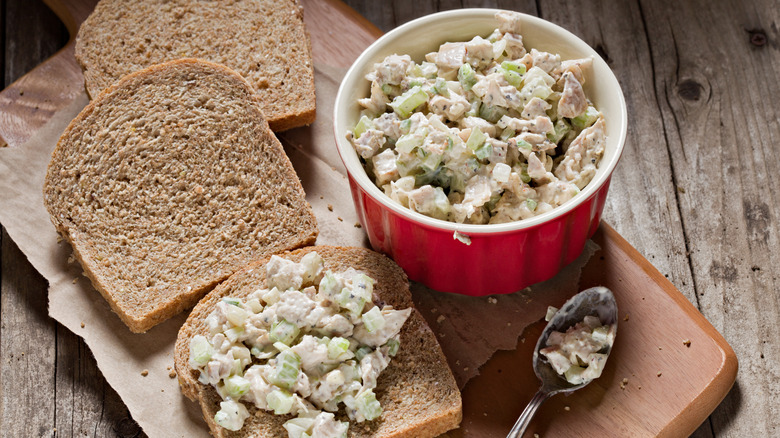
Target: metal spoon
[596, 301]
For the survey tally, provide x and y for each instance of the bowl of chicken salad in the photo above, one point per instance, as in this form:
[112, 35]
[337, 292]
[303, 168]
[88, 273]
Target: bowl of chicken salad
[479, 146]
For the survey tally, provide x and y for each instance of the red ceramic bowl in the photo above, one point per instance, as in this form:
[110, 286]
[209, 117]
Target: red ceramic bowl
[497, 258]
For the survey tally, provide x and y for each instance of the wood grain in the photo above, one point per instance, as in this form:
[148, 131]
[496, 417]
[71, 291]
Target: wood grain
[696, 191]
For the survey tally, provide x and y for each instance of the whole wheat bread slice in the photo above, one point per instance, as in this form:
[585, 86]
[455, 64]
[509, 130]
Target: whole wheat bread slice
[167, 183]
[418, 393]
[264, 40]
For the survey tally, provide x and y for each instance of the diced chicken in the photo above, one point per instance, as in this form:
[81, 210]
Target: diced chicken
[478, 191]
[326, 426]
[371, 365]
[369, 143]
[389, 124]
[545, 60]
[574, 66]
[393, 322]
[508, 21]
[537, 170]
[539, 125]
[392, 70]
[311, 352]
[399, 190]
[377, 103]
[479, 52]
[514, 45]
[259, 388]
[498, 153]
[476, 122]
[385, 168]
[336, 325]
[451, 56]
[573, 101]
[556, 192]
[534, 108]
[294, 307]
[452, 108]
[579, 164]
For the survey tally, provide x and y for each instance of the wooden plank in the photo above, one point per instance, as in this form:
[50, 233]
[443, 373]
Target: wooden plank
[717, 93]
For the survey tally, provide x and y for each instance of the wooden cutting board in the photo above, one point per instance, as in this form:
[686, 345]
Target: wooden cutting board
[669, 368]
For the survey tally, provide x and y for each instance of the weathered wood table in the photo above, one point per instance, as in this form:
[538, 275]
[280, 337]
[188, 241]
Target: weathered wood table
[697, 193]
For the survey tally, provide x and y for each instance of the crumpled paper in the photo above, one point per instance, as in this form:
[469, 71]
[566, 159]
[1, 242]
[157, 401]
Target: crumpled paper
[139, 366]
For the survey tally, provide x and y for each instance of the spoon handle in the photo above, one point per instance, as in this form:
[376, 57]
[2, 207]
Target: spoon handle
[525, 418]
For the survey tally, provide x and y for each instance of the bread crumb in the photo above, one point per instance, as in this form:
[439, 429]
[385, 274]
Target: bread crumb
[441, 334]
[659, 374]
[321, 197]
[536, 435]
[465, 368]
[59, 238]
[357, 225]
[82, 324]
[441, 319]
[687, 343]
[457, 362]
[145, 373]
[484, 414]
[71, 259]
[509, 324]
[639, 387]
[434, 310]
[566, 408]
[626, 317]
[624, 383]
[75, 280]
[330, 207]
[659, 348]
[492, 300]
[339, 218]
[172, 374]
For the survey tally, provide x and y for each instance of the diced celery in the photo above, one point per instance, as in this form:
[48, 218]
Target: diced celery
[522, 144]
[234, 333]
[373, 320]
[429, 69]
[551, 311]
[281, 346]
[524, 174]
[492, 113]
[280, 401]
[407, 102]
[350, 301]
[236, 315]
[362, 126]
[407, 143]
[574, 374]
[585, 119]
[236, 386]
[284, 332]
[431, 162]
[491, 203]
[337, 346]
[254, 305]
[413, 84]
[514, 78]
[600, 334]
[363, 286]
[531, 204]
[272, 296]
[262, 354]
[440, 87]
[561, 128]
[286, 370]
[233, 301]
[466, 76]
[405, 126]
[476, 138]
[392, 346]
[473, 164]
[362, 352]
[507, 133]
[483, 152]
[415, 70]
[367, 405]
[517, 67]
[200, 351]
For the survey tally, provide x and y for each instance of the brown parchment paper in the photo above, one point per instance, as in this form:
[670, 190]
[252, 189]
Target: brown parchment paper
[470, 330]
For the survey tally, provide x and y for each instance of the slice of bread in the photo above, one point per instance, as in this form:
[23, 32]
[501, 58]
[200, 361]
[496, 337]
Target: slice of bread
[264, 40]
[417, 391]
[167, 183]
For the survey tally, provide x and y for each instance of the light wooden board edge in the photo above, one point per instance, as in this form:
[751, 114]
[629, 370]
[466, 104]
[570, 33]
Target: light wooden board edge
[690, 418]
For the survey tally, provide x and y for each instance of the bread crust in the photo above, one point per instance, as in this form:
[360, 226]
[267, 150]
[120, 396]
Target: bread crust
[91, 201]
[264, 40]
[418, 392]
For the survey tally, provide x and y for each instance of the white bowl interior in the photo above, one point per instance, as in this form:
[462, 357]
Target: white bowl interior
[426, 34]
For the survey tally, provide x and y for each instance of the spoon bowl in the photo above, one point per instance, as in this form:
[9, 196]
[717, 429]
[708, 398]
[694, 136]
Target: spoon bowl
[596, 301]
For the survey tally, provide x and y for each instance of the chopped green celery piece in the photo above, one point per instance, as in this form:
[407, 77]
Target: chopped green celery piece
[297, 427]
[492, 113]
[494, 198]
[407, 102]
[531, 204]
[561, 128]
[200, 351]
[236, 315]
[456, 182]
[427, 177]
[392, 346]
[351, 301]
[233, 301]
[254, 305]
[514, 78]
[281, 346]
[450, 143]
[329, 285]
[284, 332]
[241, 353]
[585, 119]
[337, 346]
[440, 87]
[367, 405]
[416, 70]
[407, 143]
[507, 133]
[286, 370]
[524, 177]
[542, 92]
[515, 66]
[443, 177]
[363, 286]
[236, 386]
[405, 126]
[280, 401]
[413, 84]
[551, 311]
[234, 333]
[466, 76]
[408, 166]
[600, 334]
[362, 352]
[484, 152]
[431, 162]
[522, 144]
[373, 320]
[476, 139]
[363, 125]
[473, 164]
[261, 354]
